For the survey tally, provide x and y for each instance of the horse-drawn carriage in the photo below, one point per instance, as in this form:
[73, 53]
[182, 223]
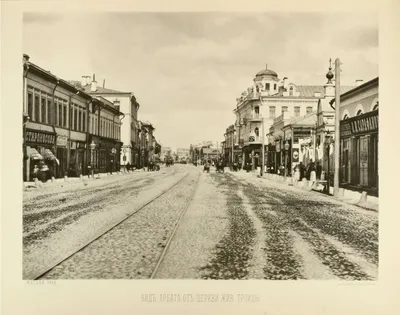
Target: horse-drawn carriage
[219, 167]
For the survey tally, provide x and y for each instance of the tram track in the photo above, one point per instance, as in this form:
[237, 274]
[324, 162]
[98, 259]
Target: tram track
[42, 274]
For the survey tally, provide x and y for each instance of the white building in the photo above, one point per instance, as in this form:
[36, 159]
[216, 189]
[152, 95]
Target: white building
[127, 104]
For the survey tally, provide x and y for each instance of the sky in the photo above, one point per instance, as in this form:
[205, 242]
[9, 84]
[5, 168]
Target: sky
[187, 69]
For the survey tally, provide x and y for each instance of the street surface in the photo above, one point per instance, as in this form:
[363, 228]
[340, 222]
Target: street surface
[232, 226]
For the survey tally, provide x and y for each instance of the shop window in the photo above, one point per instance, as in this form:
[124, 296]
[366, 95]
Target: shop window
[44, 110]
[309, 109]
[30, 105]
[297, 111]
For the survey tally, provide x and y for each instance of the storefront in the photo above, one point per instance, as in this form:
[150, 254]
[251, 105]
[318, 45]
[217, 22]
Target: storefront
[40, 148]
[359, 150]
[77, 159]
[62, 156]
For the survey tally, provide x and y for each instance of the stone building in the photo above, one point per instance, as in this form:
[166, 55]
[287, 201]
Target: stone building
[128, 105]
[57, 123]
[260, 107]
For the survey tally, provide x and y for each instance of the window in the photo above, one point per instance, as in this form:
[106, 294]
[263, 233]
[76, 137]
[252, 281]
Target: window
[44, 110]
[37, 108]
[84, 122]
[257, 110]
[75, 119]
[346, 117]
[80, 120]
[274, 86]
[49, 111]
[267, 86]
[308, 109]
[359, 112]
[30, 105]
[376, 107]
[291, 90]
[272, 112]
[60, 113]
[297, 111]
[64, 115]
[284, 109]
[257, 132]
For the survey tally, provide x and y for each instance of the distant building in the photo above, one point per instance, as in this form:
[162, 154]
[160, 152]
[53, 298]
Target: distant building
[264, 103]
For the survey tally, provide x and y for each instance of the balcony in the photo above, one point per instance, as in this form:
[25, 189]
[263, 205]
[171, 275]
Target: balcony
[255, 117]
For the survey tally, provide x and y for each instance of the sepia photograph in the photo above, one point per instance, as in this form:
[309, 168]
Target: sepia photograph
[200, 145]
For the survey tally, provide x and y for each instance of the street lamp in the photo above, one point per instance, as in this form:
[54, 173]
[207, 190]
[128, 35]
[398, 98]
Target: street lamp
[92, 147]
[286, 155]
[113, 152]
[328, 141]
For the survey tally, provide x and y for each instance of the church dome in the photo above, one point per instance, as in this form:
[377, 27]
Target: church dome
[266, 71]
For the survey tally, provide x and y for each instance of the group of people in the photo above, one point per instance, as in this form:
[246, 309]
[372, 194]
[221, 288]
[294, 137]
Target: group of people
[42, 172]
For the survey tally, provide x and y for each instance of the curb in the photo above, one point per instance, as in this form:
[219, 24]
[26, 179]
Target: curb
[348, 196]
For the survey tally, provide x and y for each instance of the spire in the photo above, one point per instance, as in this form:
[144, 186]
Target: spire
[330, 75]
[266, 66]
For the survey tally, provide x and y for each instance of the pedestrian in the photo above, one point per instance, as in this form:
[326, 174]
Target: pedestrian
[128, 166]
[35, 171]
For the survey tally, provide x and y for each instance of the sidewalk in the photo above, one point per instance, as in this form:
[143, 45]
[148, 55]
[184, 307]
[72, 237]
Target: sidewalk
[75, 180]
[349, 196]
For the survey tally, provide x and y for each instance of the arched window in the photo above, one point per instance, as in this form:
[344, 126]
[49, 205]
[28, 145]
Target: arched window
[359, 112]
[291, 90]
[346, 117]
[376, 106]
[256, 131]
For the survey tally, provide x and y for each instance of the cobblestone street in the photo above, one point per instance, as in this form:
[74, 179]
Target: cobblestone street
[228, 226]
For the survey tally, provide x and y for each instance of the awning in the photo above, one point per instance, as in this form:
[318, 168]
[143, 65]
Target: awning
[49, 155]
[34, 154]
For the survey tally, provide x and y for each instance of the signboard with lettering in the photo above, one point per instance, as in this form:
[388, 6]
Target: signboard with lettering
[301, 133]
[39, 137]
[295, 155]
[366, 123]
[62, 141]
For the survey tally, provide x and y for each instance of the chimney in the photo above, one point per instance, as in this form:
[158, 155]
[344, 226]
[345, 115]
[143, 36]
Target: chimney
[359, 82]
[104, 83]
[93, 87]
[116, 103]
[25, 58]
[317, 94]
[266, 66]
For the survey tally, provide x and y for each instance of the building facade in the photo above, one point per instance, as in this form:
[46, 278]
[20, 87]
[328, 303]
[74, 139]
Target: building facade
[128, 105]
[261, 105]
[57, 123]
[359, 137]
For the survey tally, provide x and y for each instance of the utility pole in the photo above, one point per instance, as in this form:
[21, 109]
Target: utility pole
[337, 128]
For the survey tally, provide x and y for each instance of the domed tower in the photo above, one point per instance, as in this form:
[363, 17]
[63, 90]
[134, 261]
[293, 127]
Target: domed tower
[267, 81]
[329, 86]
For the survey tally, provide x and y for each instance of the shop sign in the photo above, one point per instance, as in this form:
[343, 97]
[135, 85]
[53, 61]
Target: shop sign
[38, 137]
[81, 145]
[301, 133]
[366, 123]
[295, 155]
[62, 141]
